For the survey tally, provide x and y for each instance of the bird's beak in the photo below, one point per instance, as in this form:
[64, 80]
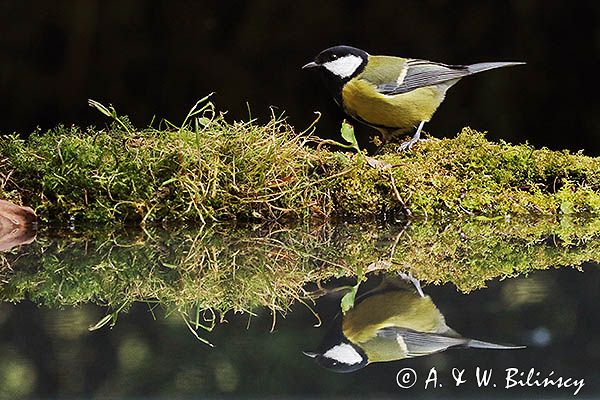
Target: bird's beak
[310, 354]
[310, 65]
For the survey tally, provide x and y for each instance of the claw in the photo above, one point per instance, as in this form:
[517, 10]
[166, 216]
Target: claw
[408, 277]
[410, 143]
[407, 145]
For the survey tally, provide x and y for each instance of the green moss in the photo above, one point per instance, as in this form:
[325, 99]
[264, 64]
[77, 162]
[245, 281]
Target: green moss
[211, 169]
[469, 174]
[357, 193]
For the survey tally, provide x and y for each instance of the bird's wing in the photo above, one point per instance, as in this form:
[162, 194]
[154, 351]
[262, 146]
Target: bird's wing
[420, 343]
[421, 73]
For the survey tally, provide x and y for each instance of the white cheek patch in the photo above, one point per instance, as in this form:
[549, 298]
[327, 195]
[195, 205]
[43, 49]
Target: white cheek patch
[345, 66]
[344, 353]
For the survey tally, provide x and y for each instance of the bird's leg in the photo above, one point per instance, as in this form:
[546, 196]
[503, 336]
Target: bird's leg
[384, 138]
[417, 136]
[378, 150]
[408, 277]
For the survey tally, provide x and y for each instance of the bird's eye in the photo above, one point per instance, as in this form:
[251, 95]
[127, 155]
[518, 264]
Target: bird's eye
[334, 56]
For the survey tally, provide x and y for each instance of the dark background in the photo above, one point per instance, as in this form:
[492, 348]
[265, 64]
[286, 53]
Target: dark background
[156, 58]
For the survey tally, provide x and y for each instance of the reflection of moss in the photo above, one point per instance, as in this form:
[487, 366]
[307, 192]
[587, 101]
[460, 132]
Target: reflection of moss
[211, 169]
[240, 268]
[471, 253]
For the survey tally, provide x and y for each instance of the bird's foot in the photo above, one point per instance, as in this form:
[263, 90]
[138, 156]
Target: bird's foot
[410, 143]
[406, 146]
[408, 277]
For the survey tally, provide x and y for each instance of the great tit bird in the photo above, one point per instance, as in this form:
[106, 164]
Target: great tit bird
[390, 94]
[391, 322]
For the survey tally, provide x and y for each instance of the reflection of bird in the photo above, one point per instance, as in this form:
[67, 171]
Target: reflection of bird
[390, 94]
[390, 322]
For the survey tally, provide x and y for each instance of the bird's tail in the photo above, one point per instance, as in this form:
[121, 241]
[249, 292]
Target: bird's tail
[476, 68]
[478, 344]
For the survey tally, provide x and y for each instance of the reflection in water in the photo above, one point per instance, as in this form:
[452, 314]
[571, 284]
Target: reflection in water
[392, 322]
[201, 275]
[229, 267]
[49, 354]
[150, 275]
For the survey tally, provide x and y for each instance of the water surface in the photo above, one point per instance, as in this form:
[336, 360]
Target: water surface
[165, 297]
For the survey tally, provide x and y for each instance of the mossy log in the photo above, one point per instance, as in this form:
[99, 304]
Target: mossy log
[210, 169]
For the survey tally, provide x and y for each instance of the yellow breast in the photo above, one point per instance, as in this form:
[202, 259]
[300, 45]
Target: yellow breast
[399, 112]
[401, 309]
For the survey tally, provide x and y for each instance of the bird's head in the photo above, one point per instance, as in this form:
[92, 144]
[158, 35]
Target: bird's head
[342, 357]
[340, 62]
